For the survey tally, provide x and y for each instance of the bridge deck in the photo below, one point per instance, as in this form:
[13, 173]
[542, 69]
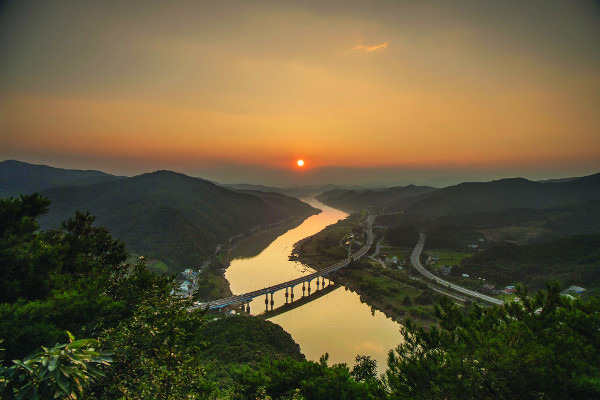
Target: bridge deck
[215, 304]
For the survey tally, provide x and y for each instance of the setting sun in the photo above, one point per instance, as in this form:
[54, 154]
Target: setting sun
[300, 163]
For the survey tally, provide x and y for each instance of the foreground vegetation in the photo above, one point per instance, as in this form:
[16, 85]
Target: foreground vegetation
[141, 342]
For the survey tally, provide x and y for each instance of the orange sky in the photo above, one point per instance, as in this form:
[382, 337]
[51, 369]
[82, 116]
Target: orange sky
[199, 86]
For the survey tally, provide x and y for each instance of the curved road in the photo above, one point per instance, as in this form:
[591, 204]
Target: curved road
[415, 261]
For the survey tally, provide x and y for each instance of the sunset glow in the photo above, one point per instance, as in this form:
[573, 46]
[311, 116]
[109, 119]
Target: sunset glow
[224, 92]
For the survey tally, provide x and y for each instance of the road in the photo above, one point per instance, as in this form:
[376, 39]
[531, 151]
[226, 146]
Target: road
[376, 253]
[416, 262]
[217, 304]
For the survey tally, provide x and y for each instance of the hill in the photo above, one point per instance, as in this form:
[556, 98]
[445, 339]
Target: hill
[353, 200]
[473, 197]
[572, 260]
[172, 217]
[522, 225]
[17, 177]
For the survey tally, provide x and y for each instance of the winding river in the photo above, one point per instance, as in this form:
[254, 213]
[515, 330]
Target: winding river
[336, 323]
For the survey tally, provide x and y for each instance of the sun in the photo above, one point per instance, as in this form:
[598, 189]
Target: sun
[300, 163]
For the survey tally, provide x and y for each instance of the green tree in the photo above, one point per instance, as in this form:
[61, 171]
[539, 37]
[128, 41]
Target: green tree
[60, 372]
[365, 369]
[55, 280]
[25, 261]
[155, 349]
[544, 347]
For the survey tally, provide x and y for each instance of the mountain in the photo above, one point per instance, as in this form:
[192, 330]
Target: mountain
[258, 188]
[472, 197]
[530, 224]
[356, 199]
[170, 216]
[17, 177]
[294, 191]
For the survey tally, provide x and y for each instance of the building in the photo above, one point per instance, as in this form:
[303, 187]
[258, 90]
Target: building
[509, 289]
[575, 289]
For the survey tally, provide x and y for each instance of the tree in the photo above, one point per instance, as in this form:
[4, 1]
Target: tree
[365, 369]
[543, 347]
[155, 349]
[55, 280]
[61, 372]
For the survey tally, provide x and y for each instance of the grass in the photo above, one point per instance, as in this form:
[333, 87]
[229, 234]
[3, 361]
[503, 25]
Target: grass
[387, 294]
[158, 266]
[153, 265]
[449, 257]
[505, 297]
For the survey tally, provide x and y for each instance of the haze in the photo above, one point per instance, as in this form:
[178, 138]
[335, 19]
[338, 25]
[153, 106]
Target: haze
[364, 92]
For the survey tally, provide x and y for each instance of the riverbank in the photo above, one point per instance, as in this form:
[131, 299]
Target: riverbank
[212, 283]
[395, 293]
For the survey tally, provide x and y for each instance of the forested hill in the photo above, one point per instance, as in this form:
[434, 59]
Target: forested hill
[170, 216]
[473, 197]
[356, 199]
[17, 177]
[469, 197]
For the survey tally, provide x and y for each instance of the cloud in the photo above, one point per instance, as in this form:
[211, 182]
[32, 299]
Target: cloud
[370, 49]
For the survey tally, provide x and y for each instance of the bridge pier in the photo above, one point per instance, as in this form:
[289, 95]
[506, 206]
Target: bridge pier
[272, 302]
[292, 296]
[323, 278]
[317, 283]
[309, 287]
[286, 295]
[303, 288]
[267, 302]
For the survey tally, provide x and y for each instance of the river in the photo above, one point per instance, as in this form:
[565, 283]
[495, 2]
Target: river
[336, 323]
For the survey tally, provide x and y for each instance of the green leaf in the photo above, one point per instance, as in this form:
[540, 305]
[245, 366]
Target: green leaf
[53, 364]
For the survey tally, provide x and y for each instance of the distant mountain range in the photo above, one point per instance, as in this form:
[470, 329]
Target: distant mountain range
[17, 177]
[356, 199]
[514, 209]
[165, 215]
[295, 191]
[467, 198]
[470, 197]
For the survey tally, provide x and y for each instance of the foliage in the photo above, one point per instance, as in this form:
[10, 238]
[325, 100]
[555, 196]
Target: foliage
[240, 339]
[60, 372]
[365, 369]
[54, 280]
[572, 260]
[402, 236]
[543, 347]
[284, 379]
[155, 350]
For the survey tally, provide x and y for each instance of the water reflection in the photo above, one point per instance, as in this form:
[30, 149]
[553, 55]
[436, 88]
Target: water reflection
[336, 323]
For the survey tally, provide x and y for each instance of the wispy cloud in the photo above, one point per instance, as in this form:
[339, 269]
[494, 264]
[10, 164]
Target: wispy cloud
[370, 49]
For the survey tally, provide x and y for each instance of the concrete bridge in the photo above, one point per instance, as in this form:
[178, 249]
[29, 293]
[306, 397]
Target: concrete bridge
[318, 277]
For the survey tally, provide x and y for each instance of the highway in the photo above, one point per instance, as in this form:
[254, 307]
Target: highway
[216, 304]
[416, 262]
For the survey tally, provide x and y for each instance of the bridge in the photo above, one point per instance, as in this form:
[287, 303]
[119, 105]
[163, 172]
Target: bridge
[289, 285]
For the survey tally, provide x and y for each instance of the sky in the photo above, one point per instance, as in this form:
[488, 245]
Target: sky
[365, 92]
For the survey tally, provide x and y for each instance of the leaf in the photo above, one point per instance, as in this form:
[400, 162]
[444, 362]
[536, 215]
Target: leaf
[81, 343]
[53, 364]
[64, 384]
